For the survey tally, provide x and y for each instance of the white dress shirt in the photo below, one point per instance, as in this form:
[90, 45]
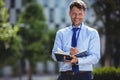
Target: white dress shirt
[88, 40]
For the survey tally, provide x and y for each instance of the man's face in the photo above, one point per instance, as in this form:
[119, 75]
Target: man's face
[77, 16]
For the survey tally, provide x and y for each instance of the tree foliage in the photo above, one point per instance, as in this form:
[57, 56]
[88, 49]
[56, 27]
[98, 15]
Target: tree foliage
[33, 31]
[9, 41]
[108, 11]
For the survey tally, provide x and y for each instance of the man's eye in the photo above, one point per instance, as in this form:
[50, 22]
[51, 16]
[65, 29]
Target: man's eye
[74, 13]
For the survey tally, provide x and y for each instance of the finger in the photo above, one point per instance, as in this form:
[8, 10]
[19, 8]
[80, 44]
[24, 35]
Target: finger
[64, 58]
[72, 56]
[72, 61]
[73, 49]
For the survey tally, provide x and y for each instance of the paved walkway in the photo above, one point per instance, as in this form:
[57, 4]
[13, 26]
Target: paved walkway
[46, 77]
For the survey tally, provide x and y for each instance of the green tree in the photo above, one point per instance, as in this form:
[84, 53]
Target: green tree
[51, 35]
[9, 41]
[108, 11]
[34, 33]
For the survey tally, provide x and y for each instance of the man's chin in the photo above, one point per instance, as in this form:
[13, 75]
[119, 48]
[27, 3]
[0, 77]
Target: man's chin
[77, 24]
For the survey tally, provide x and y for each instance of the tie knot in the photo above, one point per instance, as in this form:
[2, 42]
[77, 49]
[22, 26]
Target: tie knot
[75, 29]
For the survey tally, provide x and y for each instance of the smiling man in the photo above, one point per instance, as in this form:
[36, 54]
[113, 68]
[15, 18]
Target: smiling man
[75, 39]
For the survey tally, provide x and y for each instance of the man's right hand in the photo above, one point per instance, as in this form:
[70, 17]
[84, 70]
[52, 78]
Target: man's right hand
[73, 51]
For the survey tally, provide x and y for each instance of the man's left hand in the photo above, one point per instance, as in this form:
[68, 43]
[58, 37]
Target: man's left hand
[73, 61]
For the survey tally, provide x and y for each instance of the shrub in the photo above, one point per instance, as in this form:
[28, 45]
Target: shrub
[107, 73]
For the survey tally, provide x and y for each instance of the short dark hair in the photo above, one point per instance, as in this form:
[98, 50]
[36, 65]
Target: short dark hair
[79, 4]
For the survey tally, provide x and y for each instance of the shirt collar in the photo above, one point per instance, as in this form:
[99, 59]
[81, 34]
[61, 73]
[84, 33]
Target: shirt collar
[81, 25]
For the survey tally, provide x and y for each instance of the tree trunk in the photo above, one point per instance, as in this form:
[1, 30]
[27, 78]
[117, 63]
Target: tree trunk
[107, 52]
[30, 70]
[19, 70]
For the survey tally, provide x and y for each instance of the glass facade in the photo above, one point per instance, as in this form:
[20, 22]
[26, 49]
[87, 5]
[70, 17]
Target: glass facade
[56, 11]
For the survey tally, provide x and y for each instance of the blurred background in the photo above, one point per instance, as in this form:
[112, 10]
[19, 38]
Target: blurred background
[27, 33]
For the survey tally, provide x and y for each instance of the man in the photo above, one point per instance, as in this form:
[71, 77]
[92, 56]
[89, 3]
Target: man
[75, 39]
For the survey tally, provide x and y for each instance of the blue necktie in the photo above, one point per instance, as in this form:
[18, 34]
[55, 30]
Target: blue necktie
[75, 68]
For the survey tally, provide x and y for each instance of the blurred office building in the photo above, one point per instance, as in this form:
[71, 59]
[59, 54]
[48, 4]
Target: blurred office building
[56, 11]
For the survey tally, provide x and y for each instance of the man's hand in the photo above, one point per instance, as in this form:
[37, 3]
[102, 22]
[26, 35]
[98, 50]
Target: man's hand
[73, 61]
[73, 51]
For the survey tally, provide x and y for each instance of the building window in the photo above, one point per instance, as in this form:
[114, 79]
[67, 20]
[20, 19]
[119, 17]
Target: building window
[51, 14]
[63, 15]
[57, 3]
[46, 2]
[12, 4]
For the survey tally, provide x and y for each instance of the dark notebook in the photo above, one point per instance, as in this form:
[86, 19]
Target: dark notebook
[60, 56]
